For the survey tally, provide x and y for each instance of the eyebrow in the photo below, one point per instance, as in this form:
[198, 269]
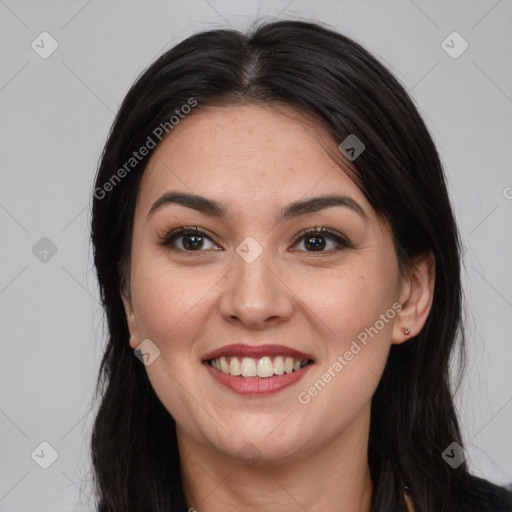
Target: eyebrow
[213, 208]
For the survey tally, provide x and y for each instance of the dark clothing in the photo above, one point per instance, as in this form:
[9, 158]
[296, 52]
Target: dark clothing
[499, 498]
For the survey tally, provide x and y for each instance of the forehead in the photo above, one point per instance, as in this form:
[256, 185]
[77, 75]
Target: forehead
[247, 155]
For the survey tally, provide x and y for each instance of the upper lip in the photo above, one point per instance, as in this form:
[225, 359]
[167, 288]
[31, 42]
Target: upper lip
[257, 352]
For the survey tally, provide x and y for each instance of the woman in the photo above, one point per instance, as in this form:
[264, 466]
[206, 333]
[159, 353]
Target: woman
[274, 241]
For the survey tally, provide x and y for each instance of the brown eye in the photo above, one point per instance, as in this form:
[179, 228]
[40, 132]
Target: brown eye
[315, 242]
[187, 239]
[317, 239]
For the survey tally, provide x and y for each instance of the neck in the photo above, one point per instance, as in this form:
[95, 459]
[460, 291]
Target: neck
[332, 477]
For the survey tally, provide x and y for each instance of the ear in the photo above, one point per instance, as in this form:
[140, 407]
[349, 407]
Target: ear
[130, 318]
[416, 295]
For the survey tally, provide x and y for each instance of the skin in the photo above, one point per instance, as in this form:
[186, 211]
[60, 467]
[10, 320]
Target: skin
[255, 160]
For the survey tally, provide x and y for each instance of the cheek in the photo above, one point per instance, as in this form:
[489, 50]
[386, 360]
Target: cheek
[171, 308]
[348, 301]
[355, 315]
[168, 301]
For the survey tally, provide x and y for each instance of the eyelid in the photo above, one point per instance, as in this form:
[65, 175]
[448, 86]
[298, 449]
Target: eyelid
[321, 230]
[169, 238]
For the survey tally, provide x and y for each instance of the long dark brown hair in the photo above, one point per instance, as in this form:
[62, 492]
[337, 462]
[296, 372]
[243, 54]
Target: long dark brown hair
[317, 71]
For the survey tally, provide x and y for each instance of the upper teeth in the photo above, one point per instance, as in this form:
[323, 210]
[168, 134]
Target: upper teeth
[263, 367]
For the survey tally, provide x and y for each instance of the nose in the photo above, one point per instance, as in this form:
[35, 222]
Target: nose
[255, 295]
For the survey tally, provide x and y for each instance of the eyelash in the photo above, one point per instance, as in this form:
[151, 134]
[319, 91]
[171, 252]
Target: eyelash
[168, 239]
[323, 232]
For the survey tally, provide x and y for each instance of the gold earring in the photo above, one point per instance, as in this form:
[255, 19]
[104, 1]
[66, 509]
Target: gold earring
[405, 330]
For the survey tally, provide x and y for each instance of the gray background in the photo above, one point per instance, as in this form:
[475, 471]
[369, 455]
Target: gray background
[56, 113]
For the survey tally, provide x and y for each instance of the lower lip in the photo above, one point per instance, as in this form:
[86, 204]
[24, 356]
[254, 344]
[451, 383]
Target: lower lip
[253, 386]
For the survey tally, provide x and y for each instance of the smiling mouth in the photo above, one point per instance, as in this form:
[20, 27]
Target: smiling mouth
[258, 368]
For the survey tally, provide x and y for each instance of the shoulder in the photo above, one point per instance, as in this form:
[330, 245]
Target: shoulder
[492, 496]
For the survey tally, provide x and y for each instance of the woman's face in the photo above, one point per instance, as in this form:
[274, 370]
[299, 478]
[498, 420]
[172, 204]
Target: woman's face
[254, 289]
